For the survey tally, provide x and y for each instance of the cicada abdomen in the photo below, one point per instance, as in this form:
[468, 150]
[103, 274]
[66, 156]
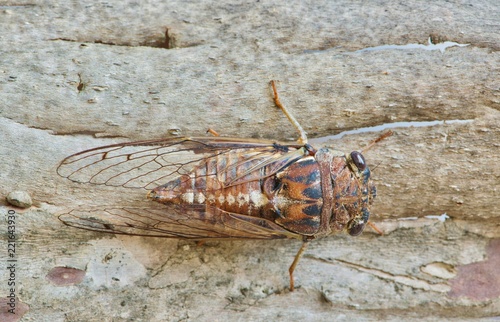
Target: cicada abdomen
[241, 184]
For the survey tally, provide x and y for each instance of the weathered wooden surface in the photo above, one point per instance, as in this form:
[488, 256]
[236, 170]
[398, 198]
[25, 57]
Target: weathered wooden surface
[78, 76]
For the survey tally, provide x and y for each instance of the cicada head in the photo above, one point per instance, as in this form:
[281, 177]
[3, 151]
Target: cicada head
[367, 190]
[352, 190]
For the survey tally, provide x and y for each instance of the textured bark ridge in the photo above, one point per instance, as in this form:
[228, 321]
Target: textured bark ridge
[74, 77]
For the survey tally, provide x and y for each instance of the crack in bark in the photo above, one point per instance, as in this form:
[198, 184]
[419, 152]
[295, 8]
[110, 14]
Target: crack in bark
[410, 281]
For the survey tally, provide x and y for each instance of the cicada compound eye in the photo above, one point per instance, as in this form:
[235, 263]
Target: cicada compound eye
[357, 228]
[357, 225]
[359, 160]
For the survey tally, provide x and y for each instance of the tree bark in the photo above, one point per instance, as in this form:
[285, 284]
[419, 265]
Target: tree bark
[79, 76]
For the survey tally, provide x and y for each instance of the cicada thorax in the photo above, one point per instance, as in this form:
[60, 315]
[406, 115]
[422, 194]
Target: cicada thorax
[296, 196]
[322, 195]
[314, 196]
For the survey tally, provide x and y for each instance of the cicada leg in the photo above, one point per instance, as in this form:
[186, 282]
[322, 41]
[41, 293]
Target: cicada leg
[295, 262]
[303, 136]
[374, 227]
[213, 132]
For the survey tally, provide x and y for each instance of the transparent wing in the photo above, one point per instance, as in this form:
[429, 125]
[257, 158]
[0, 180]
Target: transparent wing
[148, 164]
[156, 220]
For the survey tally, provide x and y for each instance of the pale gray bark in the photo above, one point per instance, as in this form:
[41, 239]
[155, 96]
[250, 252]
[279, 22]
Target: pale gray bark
[75, 76]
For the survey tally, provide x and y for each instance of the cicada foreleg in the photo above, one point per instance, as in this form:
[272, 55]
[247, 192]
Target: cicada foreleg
[303, 136]
[302, 140]
[375, 228]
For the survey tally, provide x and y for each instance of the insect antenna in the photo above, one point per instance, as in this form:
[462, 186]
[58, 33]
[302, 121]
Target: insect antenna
[375, 167]
[377, 140]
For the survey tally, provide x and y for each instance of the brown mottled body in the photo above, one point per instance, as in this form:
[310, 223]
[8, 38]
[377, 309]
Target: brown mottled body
[204, 186]
[293, 198]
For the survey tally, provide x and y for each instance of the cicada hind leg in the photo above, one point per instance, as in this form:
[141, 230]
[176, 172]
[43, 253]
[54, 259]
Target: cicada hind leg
[302, 140]
[295, 262]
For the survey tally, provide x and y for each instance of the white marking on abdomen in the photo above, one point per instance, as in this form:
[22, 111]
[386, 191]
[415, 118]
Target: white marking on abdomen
[201, 198]
[188, 197]
[258, 199]
[230, 199]
[243, 199]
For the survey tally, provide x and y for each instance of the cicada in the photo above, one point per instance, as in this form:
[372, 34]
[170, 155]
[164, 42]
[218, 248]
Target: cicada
[227, 188]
